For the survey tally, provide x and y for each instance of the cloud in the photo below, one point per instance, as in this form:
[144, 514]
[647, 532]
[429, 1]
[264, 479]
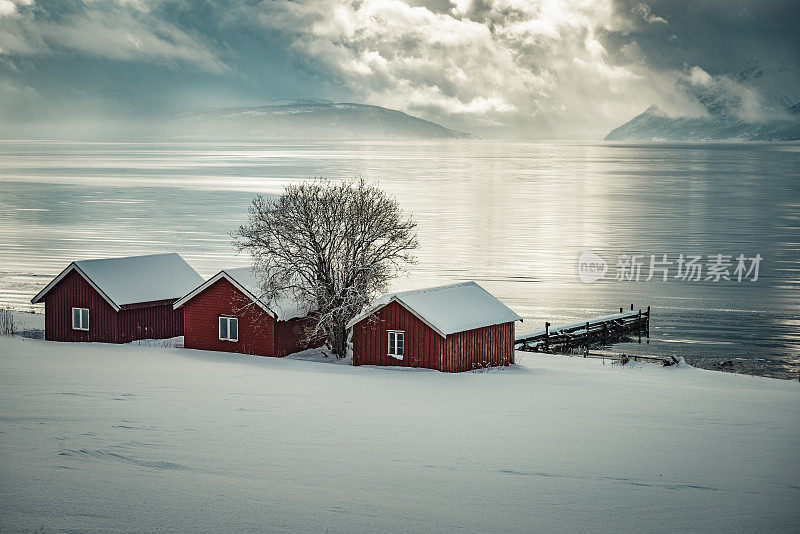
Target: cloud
[759, 92]
[488, 63]
[122, 30]
[643, 10]
[493, 67]
[547, 68]
[9, 8]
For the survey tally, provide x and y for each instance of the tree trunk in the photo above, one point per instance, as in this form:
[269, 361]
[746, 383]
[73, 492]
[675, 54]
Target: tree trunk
[339, 341]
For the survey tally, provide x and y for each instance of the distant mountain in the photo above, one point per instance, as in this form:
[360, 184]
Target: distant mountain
[653, 125]
[758, 103]
[304, 120]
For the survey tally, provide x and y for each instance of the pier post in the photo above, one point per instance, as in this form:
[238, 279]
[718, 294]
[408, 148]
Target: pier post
[547, 337]
[640, 325]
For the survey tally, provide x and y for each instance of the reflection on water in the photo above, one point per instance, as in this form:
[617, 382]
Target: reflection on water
[512, 215]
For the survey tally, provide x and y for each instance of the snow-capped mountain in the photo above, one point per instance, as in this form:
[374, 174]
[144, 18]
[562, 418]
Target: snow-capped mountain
[759, 102]
[304, 120]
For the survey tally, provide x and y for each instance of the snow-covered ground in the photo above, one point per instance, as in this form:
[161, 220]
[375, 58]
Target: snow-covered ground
[104, 438]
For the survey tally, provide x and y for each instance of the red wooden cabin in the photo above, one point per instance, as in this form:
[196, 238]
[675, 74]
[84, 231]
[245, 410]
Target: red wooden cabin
[226, 313]
[117, 300]
[451, 328]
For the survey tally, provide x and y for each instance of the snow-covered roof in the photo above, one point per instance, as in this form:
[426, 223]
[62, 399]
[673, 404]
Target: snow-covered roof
[448, 309]
[133, 279]
[247, 282]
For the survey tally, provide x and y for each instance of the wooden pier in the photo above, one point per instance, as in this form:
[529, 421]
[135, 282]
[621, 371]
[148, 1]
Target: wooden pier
[583, 335]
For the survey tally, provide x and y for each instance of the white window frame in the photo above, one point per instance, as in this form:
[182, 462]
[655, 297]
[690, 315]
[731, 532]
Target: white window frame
[228, 319]
[398, 334]
[81, 317]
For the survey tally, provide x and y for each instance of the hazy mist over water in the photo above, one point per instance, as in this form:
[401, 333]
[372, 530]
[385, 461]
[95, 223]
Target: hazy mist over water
[512, 215]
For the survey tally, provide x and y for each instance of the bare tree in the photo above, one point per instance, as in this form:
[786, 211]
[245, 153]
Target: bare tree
[331, 245]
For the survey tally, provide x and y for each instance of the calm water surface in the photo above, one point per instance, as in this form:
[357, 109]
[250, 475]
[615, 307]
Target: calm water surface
[511, 215]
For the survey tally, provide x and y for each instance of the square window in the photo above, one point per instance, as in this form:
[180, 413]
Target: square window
[228, 329]
[80, 319]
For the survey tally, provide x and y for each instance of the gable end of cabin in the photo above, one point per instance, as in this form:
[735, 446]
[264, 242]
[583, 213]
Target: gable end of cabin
[215, 314]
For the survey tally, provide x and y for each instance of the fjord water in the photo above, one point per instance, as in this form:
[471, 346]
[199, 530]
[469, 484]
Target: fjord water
[512, 215]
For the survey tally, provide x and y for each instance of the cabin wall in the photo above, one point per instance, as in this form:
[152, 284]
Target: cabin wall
[105, 324]
[423, 347]
[289, 335]
[149, 322]
[73, 291]
[490, 346]
[201, 321]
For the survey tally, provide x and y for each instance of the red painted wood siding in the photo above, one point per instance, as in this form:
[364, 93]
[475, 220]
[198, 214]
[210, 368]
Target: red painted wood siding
[259, 333]
[423, 347]
[73, 291]
[105, 324]
[201, 321]
[149, 322]
[490, 346]
[289, 336]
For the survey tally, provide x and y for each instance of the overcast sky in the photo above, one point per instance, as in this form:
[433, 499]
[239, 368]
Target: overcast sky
[492, 67]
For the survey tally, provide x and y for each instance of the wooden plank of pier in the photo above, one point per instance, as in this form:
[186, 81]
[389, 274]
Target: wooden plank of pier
[627, 358]
[595, 332]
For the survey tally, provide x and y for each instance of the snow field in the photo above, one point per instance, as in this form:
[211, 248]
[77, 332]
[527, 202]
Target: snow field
[121, 438]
